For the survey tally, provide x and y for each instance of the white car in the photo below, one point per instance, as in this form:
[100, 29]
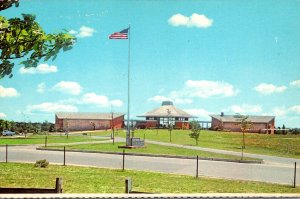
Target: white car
[7, 132]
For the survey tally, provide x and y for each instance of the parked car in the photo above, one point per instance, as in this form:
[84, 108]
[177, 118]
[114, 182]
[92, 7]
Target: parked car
[7, 133]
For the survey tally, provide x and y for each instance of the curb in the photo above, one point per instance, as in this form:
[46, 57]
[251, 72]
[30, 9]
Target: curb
[153, 196]
[155, 155]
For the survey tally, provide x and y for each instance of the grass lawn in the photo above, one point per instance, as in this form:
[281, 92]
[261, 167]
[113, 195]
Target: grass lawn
[98, 180]
[40, 139]
[152, 149]
[277, 145]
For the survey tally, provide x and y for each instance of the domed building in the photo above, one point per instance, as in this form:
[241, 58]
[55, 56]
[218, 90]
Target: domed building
[164, 116]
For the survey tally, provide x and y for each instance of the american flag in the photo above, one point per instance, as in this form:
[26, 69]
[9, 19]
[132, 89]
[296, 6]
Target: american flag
[120, 35]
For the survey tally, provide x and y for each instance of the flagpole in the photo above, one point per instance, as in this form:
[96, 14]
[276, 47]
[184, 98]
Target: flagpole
[128, 142]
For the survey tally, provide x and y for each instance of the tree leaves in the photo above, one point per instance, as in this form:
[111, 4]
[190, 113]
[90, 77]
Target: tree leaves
[196, 128]
[8, 3]
[24, 38]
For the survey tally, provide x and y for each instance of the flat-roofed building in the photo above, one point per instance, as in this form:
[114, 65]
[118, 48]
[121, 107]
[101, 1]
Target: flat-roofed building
[165, 115]
[260, 124]
[69, 121]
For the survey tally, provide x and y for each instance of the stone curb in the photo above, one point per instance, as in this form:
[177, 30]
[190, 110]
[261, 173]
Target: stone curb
[156, 155]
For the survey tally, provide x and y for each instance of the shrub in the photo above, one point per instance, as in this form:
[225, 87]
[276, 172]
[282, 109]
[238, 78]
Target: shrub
[196, 128]
[294, 131]
[41, 163]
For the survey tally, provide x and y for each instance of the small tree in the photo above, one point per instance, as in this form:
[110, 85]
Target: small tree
[283, 129]
[170, 128]
[195, 128]
[245, 126]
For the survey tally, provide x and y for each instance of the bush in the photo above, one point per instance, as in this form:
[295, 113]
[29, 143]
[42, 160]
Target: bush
[41, 163]
[294, 131]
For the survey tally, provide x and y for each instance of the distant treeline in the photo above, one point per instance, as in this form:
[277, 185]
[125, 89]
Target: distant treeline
[26, 127]
[285, 131]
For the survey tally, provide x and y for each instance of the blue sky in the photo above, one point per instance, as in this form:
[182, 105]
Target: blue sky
[206, 56]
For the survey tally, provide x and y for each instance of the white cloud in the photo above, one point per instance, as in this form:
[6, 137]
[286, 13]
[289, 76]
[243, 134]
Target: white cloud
[68, 87]
[243, 109]
[73, 32]
[41, 87]
[279, 111]
[8, 92]
[286, 111]
[49, 107]
[206, 89]
[116, 103]
[295, 109]
[295, 83]
[201, 113]
[40, 69]
[182, 101]
[84, 31]
[267, 89]
[100, 100]
[159, 99]
[195, 20]
[92, 98]
[2, 115]
[174, 99]
[197, 89]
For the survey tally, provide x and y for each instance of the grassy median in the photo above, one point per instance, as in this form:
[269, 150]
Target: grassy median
[277, 145]
[152, 149]
[51, 139]
[97, 180]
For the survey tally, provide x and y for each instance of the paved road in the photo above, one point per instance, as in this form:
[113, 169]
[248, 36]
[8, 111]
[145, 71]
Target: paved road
[275, 173]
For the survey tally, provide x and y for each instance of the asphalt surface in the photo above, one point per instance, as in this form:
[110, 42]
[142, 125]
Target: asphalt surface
[274, 171]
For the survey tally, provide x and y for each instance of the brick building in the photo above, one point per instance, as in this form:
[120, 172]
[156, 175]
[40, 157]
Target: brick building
[260, 124]
[88, 121]
[164, 115]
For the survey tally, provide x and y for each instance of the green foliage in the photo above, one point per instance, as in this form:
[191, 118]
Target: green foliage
[244, 123]
[8, 3]
[25, 39]
[151, 149]
[40, 139]
[41, 163]
[26, 127]
[294, 131]
[283, 129]
[276, 145]
[195, 128]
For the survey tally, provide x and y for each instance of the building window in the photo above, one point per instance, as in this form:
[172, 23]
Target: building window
[182, 118]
